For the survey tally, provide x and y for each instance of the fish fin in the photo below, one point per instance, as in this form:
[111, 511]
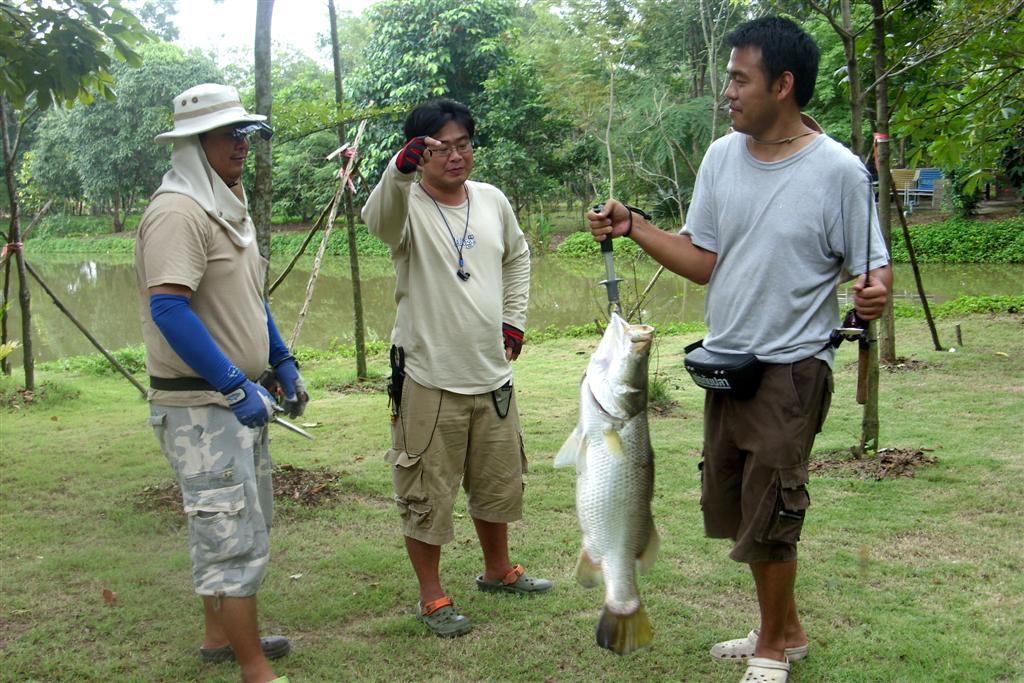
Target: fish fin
[613, 442]
[623, 633]
[646, 559]
[573, 449]
[588, 572]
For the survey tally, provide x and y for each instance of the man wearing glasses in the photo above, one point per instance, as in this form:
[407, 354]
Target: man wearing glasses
[463, 280]
[208, 335]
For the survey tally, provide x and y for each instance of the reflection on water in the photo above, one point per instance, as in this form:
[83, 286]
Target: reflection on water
[101, 293]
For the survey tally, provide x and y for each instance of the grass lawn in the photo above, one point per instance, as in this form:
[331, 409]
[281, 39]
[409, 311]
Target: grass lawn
[902, 579]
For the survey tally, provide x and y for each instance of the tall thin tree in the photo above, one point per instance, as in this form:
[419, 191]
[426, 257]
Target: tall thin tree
[353, 253]
[263, 187]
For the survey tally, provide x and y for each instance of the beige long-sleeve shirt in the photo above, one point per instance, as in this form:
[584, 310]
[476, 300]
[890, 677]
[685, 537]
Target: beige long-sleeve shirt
[450, 328]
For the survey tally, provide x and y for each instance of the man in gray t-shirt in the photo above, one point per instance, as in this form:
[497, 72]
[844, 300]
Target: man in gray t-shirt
[780, 215]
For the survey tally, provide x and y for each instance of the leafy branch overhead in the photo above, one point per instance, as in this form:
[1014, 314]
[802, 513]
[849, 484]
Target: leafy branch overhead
[57, 50]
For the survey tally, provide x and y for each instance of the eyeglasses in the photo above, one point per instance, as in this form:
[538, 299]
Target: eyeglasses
[445, 152]
[243, 132]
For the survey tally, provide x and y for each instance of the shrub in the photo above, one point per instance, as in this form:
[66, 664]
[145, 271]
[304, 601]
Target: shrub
[132, 358]
[959, 240]
[366, 244]
[582, 245]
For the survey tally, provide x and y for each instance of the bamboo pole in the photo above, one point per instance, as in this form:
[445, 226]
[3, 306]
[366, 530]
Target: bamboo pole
[328, 228]
[63, 309]
[914, 266]
[302, 248]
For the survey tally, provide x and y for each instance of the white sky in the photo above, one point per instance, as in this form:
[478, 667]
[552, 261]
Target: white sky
[231, 24]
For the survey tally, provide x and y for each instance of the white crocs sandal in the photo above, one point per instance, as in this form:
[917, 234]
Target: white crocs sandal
[762, 670]
[741, 649]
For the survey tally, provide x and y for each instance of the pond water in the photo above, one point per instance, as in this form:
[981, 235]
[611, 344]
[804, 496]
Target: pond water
[100, 292]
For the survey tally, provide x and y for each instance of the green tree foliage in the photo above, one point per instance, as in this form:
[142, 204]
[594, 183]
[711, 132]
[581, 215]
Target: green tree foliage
[963, 90]
[57, 50]
[157, 16]
[426, 48]
[304, 134]
[521, 136]
[49, 168]
[109, 144]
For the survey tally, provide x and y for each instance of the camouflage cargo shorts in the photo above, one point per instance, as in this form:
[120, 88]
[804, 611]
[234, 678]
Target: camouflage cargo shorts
[224, 471]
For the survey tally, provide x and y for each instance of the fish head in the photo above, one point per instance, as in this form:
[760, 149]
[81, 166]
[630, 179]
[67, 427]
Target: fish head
[617, 373]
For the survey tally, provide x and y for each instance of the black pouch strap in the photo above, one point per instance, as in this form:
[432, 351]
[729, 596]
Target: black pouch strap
[180, 384]
[397, 361]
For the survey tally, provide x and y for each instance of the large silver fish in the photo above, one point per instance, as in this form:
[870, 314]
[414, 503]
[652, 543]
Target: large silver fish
[611, 449]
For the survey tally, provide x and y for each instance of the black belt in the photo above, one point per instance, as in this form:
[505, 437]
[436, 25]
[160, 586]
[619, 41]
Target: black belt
[180, 384]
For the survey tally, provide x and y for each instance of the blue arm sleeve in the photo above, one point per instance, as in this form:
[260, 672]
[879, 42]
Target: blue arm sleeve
[278, 350]
[189, 338]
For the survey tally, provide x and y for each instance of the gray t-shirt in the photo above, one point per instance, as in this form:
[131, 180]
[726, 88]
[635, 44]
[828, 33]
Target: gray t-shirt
[784, 232]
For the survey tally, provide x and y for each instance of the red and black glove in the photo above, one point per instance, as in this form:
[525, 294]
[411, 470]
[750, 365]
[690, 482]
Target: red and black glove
[513, 339]
[408, 159]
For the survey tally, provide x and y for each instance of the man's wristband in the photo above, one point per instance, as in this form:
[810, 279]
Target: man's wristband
[632, 210]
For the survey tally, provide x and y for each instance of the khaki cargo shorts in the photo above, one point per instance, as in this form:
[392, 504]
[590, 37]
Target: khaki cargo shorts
[224, 471]
[441, 440]
[756, 451]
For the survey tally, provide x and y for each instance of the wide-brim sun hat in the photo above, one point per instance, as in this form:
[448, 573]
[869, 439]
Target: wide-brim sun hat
[203, 108]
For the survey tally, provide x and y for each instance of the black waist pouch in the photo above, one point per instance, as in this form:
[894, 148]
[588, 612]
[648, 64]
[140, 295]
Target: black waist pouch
[737, 374]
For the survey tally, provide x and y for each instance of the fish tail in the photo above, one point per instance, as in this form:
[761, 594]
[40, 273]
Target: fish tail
[623, 633]
[588, 572]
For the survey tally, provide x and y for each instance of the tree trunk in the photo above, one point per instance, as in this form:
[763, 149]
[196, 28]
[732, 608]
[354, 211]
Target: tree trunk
[116, 212]
[887, 331]
[856, 105]
[870, 428]
[5, 362]
[353, 253]
[262, 200]
[14, 236]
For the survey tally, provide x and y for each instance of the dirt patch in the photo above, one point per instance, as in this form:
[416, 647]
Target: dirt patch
[45, 393]
[890, 463]
[909, 365]
[308, 488]
[371, 386]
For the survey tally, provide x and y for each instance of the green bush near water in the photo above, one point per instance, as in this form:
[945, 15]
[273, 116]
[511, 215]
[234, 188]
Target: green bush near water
[959, 240]
[956, 240]
[283, 244]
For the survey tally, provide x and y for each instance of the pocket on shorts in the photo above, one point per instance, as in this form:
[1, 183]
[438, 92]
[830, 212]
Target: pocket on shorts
[791, 502]
[219, 523]
[410, 495]
[417, 418]
[158, 421]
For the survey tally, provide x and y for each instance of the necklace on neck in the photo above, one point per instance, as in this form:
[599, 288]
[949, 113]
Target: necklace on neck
[782, 141]
[458, 244]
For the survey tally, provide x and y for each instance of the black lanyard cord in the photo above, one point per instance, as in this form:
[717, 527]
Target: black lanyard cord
[461, 272]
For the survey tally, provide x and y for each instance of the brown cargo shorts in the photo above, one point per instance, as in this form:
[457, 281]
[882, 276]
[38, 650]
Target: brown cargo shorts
[756, 451]
[441, 440]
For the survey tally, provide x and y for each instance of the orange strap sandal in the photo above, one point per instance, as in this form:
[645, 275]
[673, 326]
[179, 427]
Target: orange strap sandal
[516, 581]
[441, 617]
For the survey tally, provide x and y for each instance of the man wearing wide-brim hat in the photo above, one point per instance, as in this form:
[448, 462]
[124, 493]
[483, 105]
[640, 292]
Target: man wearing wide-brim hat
[209, 335]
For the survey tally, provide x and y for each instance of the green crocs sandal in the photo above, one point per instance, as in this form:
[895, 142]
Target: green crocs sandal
[516, 581]
[441, 618]
[274, 647]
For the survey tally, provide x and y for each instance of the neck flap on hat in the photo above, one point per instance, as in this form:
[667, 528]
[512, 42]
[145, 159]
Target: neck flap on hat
[192, 176]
